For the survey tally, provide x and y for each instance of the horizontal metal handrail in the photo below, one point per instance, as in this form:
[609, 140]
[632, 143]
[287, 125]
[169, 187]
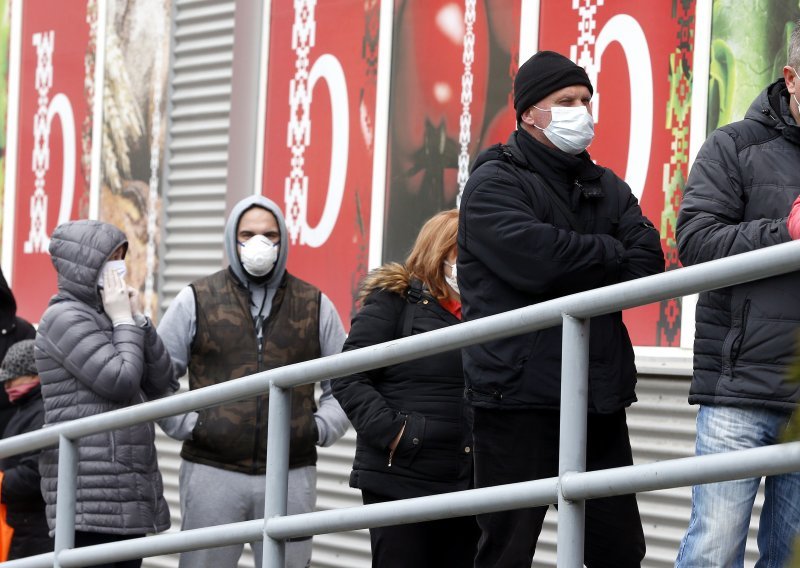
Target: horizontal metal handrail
[740, 464]
[769, 460]
[744, 267]
[719, 273]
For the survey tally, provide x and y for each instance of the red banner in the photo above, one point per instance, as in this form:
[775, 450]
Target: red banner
[638, 56]
[53, 106]
[453, 67]
[319, 137]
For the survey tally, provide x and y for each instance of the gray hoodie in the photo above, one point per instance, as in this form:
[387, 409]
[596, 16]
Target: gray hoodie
[179, 324]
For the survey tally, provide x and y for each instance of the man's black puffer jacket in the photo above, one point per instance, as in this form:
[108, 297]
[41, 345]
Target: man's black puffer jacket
[434, 453]
[517, 247]
[737, 198]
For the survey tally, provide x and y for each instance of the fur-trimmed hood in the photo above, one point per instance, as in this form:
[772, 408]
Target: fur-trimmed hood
[392, 277]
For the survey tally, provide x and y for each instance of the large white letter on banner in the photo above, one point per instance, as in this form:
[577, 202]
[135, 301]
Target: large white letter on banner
[627, 31]
[327, 67]
[301, 89]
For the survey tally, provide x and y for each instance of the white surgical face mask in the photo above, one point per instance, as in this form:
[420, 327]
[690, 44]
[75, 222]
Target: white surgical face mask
[571, 129]
[258, 255]
[452, 280]
[117, 265]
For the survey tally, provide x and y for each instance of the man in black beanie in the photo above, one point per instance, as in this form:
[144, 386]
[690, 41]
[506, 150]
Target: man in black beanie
[540, 220]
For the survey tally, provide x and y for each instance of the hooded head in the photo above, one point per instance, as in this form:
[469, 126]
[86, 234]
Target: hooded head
[8, 305]
[79, 249]
[232, 247]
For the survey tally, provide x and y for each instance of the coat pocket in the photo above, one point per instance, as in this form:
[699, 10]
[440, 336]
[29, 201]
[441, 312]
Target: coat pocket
[411, 441]
[732, 344]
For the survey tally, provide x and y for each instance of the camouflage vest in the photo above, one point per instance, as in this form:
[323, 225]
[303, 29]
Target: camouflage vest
[233, 436]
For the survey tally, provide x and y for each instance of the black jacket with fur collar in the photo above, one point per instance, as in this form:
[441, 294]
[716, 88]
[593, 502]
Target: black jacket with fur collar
[427, 395]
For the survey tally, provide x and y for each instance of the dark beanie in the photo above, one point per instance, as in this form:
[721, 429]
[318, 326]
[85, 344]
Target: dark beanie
[19, 361]
[542, 74]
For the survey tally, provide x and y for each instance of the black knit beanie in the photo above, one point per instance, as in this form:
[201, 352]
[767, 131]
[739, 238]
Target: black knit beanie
[542, 74]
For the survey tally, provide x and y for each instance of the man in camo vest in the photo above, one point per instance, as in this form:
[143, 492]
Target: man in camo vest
[252, 316]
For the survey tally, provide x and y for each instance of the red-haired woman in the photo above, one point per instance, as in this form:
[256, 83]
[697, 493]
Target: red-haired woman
[413, 426]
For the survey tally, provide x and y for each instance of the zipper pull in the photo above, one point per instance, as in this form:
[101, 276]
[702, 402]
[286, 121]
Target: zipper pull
[260, 340]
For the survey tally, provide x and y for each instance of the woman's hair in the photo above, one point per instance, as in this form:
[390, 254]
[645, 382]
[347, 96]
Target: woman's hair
[435, 241]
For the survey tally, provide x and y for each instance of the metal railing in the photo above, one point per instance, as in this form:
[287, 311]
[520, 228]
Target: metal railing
[570, 489]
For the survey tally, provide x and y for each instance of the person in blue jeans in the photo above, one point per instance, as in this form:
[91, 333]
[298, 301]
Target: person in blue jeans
[742, 195]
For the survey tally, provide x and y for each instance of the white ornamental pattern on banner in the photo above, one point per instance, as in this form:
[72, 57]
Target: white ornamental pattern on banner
[38, 240]
[301, 87]
[465, 123]
[625, 30]
[587, 10]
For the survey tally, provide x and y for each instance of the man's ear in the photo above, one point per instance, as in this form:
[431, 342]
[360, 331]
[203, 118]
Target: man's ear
[527, 116]
[789, 76]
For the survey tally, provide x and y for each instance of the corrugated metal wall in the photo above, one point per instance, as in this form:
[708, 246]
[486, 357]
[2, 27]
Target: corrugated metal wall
[197, 164]
[661, 423]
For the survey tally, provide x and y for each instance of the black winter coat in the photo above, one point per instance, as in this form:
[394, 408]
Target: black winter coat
[517, 246]
[21, 491]
[434, 453]
[737, 198]
[12, 330]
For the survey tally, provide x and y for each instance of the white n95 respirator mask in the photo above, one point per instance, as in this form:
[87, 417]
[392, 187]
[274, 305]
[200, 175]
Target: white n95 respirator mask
[258, 255]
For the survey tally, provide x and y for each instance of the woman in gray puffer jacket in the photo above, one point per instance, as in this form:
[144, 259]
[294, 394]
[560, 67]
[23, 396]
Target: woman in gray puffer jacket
[95, 353]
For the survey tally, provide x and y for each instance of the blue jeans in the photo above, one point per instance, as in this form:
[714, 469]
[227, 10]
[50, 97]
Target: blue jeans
[721, 512]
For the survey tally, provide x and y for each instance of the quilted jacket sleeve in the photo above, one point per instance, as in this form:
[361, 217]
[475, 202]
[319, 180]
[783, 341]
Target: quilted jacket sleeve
[711, 219]
[159, 378]
[110, 362]
[373, 419]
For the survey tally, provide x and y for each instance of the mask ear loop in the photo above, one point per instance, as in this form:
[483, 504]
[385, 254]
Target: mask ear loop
[794, 95]
[543, 110]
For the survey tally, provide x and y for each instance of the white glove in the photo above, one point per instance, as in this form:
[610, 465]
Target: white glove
[136, 307]
[115, 299]
[136, 304]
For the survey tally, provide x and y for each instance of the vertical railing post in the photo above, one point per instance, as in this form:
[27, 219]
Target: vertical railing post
[280, 414]
[65, 496]
[572, 446]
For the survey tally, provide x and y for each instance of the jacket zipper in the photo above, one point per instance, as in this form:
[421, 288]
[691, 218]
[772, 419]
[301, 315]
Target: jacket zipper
[737, 344]
[260, 361]
[402, 431]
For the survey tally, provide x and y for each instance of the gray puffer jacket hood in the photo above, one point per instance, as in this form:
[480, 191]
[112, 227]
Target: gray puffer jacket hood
[87, 367]
[79, 249]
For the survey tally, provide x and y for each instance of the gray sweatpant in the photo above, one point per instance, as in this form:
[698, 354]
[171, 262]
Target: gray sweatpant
[212, 496]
